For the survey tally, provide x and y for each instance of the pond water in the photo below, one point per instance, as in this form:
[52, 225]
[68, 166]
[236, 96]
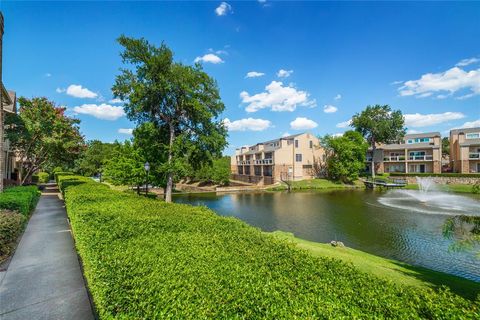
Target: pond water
[388, 224]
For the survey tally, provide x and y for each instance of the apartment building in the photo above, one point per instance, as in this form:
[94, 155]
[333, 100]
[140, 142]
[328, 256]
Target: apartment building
[292, 157]
[465, 150]
[417, 153]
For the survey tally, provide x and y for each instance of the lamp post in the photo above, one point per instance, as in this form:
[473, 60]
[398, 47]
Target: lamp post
[147, 169]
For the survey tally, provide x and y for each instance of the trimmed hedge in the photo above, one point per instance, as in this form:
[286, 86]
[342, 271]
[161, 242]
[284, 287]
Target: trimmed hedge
[43, 177]
[61, 173]
[22, 199]
[146, 259]
[446, 175]
[11, 225]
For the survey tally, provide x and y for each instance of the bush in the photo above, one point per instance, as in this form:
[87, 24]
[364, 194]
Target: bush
[11, 225]
[146, 259]
[22, 199]
[476, 187]
[61, 173]
[43, 177]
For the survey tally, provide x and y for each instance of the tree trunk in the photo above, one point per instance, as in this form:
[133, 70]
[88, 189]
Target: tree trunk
[169, 187]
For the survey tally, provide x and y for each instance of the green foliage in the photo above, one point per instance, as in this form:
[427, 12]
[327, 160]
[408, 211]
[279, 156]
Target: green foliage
[21, 199]
[182, 102]
[217, 172]
[43, 136]
[465, 230]
[43, 177]
[147, 259]
[445, 146]
[476, 187]
[345, 156]
[61, 173]
[93, 158]
[11, 225]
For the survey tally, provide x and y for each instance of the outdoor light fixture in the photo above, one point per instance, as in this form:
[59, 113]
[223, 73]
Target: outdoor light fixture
[147, 166]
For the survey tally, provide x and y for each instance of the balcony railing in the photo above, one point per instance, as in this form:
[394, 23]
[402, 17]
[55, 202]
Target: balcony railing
[264, 161]
[474, 155]
[421, 158]
[394, 158]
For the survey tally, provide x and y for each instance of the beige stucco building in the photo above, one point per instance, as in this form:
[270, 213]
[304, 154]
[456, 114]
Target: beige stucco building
[465, 150]
[293, 158]
[417, 153]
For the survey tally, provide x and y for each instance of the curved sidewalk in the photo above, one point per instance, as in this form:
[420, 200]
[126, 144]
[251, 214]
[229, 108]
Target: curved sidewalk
[44, 279]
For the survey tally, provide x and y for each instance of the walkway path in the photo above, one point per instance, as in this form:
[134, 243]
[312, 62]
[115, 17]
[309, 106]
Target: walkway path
[44, 279]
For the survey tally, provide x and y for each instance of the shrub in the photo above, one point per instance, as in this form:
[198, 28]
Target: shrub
[146, 259]
[476, 187]
[22, 199]
[11, 225]
[61, 173]
[43, 177]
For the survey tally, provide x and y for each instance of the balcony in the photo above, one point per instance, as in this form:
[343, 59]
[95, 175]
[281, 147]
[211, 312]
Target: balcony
[264, 161]
[426, 157]
[474, 156]
[244, 162]
[394, 158]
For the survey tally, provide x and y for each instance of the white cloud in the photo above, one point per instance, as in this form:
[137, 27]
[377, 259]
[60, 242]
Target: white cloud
[277, 97]
[344, 124]
[470, 124]
[77, 91]
[337, 97]
[60, 90]
[285, 134]
[48, 75]
[284, 73]
[254, 74]
[115, 101]
[223, 9]
[301, 123]
[417, 120]
[450, 81]
[412, 131]
[248, 124]
[328, 108]
[466, 62]
[125, 131]
[209, 57]
[102, 111]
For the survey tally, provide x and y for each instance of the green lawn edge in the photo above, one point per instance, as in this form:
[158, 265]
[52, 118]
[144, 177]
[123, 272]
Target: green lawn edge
[396, 271]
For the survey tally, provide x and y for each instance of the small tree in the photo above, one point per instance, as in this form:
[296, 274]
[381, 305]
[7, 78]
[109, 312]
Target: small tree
[345, 156]
[181, 99]
[445, 146]
[94, 157]
[42, 135]
[379, 124]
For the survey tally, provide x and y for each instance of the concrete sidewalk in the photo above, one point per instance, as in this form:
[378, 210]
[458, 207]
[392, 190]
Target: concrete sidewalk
[44, 279]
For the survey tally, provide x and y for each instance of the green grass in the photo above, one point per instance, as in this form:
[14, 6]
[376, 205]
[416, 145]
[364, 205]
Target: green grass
[147, 259]
[316, 184]
[461, 188]
[395, 271]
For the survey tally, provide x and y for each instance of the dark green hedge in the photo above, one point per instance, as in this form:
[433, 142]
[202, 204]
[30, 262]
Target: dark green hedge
[11, 225]
[146, 259]
[21, 199]
[446, 175]
[60, 173]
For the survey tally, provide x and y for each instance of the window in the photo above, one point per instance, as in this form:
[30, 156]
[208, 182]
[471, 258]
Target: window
[296, 143]
[475, 135]
[418, 140]
[298, 157]
[311, 144]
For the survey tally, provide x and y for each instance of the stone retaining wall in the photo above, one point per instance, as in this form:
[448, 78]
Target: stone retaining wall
[446, 180]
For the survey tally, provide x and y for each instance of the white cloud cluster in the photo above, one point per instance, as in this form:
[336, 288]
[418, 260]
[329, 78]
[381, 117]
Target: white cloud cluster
[115, 101]
[209, 58]
[248, 124]
[302, 123]
[470, 124]
[284, 73]
[277, 97]
[466, 62]
[285, 134]
[125, 131]
[328, 108]
[102, 111]
[450, 82]
[77, 91]
[223, 9]
[254, 74]
[344, 124]
[417, 120]
[337, 97]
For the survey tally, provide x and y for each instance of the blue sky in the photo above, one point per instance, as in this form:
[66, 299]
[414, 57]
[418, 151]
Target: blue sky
[312, 64]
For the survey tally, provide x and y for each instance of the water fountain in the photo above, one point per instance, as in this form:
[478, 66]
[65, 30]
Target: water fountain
[431, 199]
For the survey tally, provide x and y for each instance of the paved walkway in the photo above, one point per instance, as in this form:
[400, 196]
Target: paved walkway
[44, 279]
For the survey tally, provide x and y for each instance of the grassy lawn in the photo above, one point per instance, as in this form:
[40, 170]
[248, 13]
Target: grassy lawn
[317, 184]
[395, 271]
[462, 188]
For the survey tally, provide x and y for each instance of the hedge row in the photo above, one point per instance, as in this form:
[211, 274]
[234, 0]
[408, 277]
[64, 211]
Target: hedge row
[60, 173]
[146, 259]
[21, 199]
[446, 175]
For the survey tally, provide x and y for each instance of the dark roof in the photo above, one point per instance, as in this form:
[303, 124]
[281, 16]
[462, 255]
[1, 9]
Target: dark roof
[470, 142]
[395, 146]
[465, 130]
[5, 96]
[11, 107]
[422, 135]
[282, 138]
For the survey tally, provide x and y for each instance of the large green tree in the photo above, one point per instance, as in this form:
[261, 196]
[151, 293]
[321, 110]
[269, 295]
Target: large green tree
[445, 146]
[181, 99]
[94, 157]
[379, 124]
[345, 155]
[42, 135]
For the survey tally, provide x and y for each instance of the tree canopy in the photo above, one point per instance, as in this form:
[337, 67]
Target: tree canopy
[93, 158]
[379, 124]
[43, 136]
[345, 156]
[180, 100]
